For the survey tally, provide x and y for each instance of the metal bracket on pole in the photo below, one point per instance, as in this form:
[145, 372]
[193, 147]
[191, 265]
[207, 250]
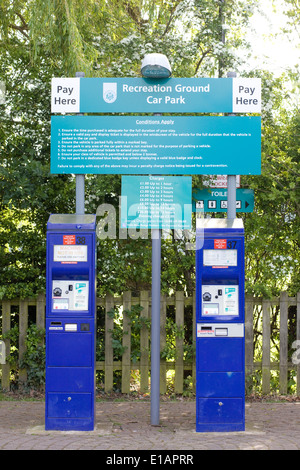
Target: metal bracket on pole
[80, 189]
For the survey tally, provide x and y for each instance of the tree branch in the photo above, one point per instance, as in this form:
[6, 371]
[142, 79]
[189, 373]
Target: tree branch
[201, 59]
[19, 28]
[23, 27]
[171, 18]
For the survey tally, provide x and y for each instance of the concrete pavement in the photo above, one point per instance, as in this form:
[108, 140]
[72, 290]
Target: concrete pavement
[126, 426]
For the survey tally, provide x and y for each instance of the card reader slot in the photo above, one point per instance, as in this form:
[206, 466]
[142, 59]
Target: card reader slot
[55, 323]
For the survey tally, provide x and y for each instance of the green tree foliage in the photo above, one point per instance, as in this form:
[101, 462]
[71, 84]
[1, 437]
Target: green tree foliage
[272, 231]
[40, 39]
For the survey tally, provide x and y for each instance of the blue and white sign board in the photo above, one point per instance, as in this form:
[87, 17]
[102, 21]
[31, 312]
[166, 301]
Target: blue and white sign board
[176, 145]
[156, 202]
[215, 200]
[141, 95]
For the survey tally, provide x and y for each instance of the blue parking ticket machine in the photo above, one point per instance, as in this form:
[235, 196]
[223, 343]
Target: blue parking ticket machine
[70, 322]
[220, 376]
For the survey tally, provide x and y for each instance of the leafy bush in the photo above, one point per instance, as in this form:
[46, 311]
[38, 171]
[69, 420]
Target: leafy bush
[33, 359]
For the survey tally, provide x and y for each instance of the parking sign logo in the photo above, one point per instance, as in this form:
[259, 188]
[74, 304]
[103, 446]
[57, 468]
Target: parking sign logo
[109, 92]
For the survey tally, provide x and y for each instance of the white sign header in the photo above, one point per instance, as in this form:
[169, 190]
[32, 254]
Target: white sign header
[65, 95]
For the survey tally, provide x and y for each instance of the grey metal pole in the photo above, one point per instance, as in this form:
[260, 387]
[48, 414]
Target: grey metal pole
[80, 196]
[80, 186]
[231, 181]
[155, 326]
[231, 196]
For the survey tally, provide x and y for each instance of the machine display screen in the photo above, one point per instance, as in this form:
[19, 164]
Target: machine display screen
[220, 257]
[210, 309]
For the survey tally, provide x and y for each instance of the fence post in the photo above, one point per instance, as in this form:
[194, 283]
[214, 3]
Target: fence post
[23, 325]
[144, 343]
[40, 311]
[109, 354]
[179, 319]
[283, 367]
[298, 338]
[5, 328]
[249, 341]
[126, 343]
[194, 342]
[266, 348]
[163, 366]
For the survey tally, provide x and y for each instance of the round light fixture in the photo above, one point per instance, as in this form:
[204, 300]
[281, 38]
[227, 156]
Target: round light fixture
[156, 66]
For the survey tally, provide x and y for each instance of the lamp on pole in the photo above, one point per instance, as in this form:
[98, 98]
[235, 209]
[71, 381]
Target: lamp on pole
[155, 66]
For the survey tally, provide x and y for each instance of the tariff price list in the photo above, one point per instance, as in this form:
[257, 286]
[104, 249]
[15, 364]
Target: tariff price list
[156, 201]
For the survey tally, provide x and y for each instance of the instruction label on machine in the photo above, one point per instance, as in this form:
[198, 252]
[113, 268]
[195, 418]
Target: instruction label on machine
[70, 253]
[70, 295]
[220, 300]
[231, 300]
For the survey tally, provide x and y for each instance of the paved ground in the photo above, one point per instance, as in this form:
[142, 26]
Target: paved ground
[126, 426]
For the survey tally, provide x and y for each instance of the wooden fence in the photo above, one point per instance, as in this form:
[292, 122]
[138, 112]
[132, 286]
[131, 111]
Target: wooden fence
[265, 354]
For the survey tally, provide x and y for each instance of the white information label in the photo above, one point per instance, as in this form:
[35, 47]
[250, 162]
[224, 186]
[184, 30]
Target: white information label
[65, 95]
[70, 253]
[60, 304]
[246, 95]
[220, 181]
[81, 295]
[71, 327]
[231, 300]
[220, 257]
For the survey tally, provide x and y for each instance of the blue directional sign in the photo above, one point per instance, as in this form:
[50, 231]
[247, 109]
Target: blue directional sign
[156, 202]
[176, 145]
[215, 200]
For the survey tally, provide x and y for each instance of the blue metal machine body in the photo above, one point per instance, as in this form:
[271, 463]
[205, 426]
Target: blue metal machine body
[70, 322]
[220, 368]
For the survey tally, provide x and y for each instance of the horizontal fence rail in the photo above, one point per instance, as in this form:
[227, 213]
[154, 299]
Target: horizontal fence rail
[264, 355]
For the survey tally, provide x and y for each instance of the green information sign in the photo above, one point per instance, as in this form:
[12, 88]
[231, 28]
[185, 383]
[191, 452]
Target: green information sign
[156, 202]
[178, 145]
[215, 200]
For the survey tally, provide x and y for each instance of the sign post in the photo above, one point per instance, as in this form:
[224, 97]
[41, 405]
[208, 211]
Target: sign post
[155, 325]
[156, 202]
[231, 182]
[80, 183]
[156, 144]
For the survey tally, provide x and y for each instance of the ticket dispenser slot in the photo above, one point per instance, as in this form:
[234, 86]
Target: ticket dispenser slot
[220, 376]
[70, 322]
